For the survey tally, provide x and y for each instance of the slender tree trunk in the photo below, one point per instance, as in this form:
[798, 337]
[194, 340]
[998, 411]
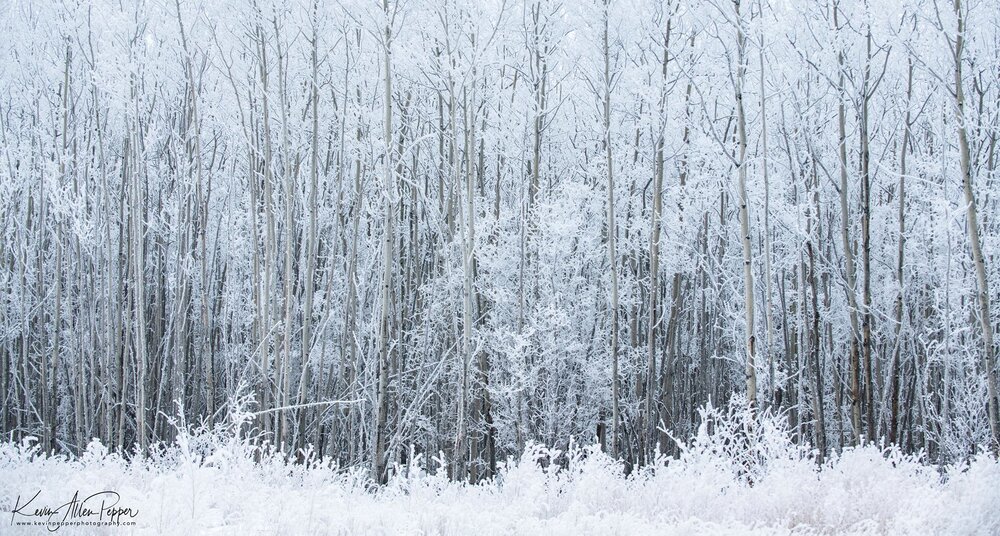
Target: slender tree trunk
[379, 473]
[654, 247]
[852, 301]
[768, 273]
[741, 188]
[310, 277]
[895, 372]
[612, 231]
[819, 430]
[972, 220]
[866, 315]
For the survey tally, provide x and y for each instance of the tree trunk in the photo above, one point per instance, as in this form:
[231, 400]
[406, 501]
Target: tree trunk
[612, 231]
[972, 220]
[379, 473]
[852, 301]
[741, 192]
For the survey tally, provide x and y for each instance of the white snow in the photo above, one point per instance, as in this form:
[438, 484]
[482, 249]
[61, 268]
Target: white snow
[209, 483]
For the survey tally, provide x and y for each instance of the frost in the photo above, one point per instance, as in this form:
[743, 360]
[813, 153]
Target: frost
[739, 474]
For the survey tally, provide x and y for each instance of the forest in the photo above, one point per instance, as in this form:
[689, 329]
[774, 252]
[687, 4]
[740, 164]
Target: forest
[392, 231]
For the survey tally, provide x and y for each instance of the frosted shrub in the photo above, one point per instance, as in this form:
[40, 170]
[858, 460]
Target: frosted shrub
[19, 452]
[739, 474]
[738, 442]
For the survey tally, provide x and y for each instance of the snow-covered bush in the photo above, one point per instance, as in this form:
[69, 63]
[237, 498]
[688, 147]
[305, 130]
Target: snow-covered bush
[740, 474]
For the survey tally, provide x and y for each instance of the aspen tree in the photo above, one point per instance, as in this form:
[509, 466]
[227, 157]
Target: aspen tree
[284, 370]
[468, 254]
[815, 354]
[382, 396]
[654, 240]
[273, 389]
[741, 189]
[957, 46]
[768, 273]
[667, 383]
[895, 369]
[852, 301]
[866, 286]
[310, 248]
[192, 138]
[611, 229]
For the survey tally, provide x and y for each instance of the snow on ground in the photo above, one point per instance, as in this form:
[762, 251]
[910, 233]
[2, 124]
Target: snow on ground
[209, 483]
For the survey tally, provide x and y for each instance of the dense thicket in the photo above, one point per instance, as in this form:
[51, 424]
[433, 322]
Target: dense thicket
[465, 225]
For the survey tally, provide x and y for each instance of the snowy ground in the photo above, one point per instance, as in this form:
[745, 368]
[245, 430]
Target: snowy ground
[706, 491]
